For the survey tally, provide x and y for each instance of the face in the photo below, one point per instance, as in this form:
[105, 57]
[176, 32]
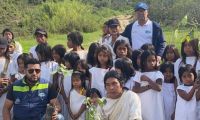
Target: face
[121, 51]
[40, 38]
[11, 48]
[76, 82]
[94, 99]
[114, 31]
[187, 78]
[55, 56]
[69, 44]
[2, 51]
[113, 88]
[170, 55]
[20, 63]
[188, 50]
[151, 62]
[142, 15]
[80, 68]
[33, 72]
[168, 75]
[102, 58]
[8, 35]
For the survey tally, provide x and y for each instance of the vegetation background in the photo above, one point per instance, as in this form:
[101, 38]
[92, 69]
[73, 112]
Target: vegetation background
[59, 17]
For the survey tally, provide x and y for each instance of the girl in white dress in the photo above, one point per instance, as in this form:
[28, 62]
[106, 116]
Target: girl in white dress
[189, 55]
[186, 108]
[104, 64]
[124, 66]
[169, 89]
[77, 97]
[149, 88]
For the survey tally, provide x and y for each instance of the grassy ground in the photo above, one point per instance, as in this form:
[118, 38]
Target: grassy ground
[54, 39]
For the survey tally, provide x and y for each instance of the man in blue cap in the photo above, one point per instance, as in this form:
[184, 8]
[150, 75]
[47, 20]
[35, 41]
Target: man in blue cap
[143, 31]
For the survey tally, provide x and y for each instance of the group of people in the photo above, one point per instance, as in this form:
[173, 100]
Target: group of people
[131, 75]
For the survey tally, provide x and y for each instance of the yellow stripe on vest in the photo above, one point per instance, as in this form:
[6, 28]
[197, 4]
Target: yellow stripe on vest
[26, 88]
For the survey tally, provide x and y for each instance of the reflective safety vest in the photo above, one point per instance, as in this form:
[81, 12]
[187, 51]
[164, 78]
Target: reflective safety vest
[30, 102]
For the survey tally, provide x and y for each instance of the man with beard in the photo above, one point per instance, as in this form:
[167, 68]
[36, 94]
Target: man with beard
[29, 96]
[143, 31]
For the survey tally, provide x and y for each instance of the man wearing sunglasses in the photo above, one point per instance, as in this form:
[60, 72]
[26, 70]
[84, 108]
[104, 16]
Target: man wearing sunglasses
[29, 97]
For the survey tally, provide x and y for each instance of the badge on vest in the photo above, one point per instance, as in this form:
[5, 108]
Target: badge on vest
[147, 31]
[17, 101]
[42, 95]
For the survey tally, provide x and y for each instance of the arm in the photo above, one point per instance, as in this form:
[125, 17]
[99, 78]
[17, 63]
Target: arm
[82, 109]
[198, 94]
[187, 96]
[140, 89]
[6, 109]
[154, 85]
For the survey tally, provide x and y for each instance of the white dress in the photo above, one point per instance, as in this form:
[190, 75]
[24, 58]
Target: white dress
[131, 82]
[178, 64]
[185, 110]
[47, 68]
[76, 101]
[97, 80]
[151, 100]
[169, 97]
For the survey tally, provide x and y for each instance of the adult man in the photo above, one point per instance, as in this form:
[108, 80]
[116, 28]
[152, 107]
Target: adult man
[143, 30]
[30, 95]
[41, 38]
[120, 104]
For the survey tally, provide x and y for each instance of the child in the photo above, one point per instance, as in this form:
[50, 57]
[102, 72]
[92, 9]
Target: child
[83, 67]
[104, 64]
[114, 30]
[149, 87]
[105, 31]
[47, 65]
[168, 89]
[170, 54]
[21, 59]
[77, 96]
[125, 68]
[93, 96]
[186, 97]
[74, 42]
[58, 52]
[189, 55]
[122, 49]
[136, 59]
[91, 54]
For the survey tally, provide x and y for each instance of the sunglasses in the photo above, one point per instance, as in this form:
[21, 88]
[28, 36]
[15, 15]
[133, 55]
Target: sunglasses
[30, 71]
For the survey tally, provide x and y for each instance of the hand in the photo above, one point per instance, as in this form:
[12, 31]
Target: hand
[54, 115]
[196, 85]
[144, 78]
[4, 81]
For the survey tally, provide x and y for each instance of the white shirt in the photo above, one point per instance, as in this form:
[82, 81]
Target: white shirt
[33, 52]
[141, 34]
[108, 41]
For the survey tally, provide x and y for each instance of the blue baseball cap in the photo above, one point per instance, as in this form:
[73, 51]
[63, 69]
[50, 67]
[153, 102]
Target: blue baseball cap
[141, 5]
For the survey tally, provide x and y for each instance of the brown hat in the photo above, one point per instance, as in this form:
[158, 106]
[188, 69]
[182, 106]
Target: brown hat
[3, 42]
[41, 31]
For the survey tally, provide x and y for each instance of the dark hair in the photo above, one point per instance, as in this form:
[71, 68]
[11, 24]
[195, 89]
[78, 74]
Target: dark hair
[194, 43]
[148, 46]
[175, 51]
[81, 76]
[85, 66]
[186, 68]
[104, 48]
[123, 42]
[126, 67]
[7, 30]
[76, 38]
[92, 91]
[143, 60]
[91, 53]
[60, 50]
[72, 58]
[168, 65]
[31, 61]
[25, 57]
[135, 55]
[114, 74]
[44, 51]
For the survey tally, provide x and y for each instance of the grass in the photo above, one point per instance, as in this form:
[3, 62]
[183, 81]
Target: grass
[54, 39]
